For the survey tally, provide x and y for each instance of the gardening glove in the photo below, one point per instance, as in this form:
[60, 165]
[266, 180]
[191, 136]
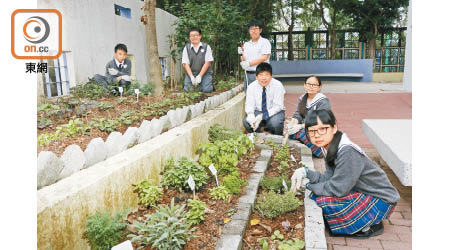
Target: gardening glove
[193, 80]
[198, 79]
[251, 119]
[294, 128]
[126, 78]
[113, 71]
[297, 178]
[257, 121]
[245, 65]
[240, 51]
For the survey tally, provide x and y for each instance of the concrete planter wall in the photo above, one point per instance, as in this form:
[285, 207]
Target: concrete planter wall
[99, 150]
[63, 207]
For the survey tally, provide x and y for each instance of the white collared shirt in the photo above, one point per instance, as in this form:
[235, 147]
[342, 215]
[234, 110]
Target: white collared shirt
[118, 63]
[274, 97]
[208, 55]
[315, 100]
[253, 50]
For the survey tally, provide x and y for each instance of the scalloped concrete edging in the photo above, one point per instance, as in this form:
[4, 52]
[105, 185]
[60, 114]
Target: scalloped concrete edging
[233, 232]
[146, 131]
[62, 208]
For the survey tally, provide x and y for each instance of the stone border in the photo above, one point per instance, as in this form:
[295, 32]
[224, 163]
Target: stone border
[62, 208]
[51, 169]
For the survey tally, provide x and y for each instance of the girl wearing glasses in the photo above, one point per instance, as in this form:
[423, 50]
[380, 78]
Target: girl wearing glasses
[354, 192]
[312, 100]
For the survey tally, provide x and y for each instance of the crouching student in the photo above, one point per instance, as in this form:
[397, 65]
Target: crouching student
[311, 100]
[264, 103]
[354, 192]
[118, 70]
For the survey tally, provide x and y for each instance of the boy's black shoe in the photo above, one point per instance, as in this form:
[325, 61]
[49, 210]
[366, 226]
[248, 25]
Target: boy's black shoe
[374, 230]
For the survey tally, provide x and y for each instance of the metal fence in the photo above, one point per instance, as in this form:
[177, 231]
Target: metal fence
[315, 45]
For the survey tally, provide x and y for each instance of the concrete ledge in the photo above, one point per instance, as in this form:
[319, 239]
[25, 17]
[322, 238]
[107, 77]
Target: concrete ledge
[392, 139]
[63, 207]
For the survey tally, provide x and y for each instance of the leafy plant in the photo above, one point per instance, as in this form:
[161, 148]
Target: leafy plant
[275, 183]
[144, 89]
[218, 132]
[103, 231]
[166, 228]
[91, 90]
[272, 144]
[196, 213]
[282, 154]
[47, 107]
[46, 138]
[233, 183]
[283, 167]
[295, 244]
[277, 235]
[271, 205]
[104, 106]
[72, 128]
[44, 122]
[226, 85]
[264, 243]
[149, 195]
[219, 193]
[176, 175]
[104, 124]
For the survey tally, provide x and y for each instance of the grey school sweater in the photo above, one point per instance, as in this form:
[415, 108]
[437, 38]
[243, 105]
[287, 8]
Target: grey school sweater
[320, 101]
[353, 171]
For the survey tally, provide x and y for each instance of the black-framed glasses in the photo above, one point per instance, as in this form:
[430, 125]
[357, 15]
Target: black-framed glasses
[313, 86]
[320, 131]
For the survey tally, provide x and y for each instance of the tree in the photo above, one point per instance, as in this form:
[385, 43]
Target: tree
[288, 11]
[155, 73]
[333, 21]
[368, 16]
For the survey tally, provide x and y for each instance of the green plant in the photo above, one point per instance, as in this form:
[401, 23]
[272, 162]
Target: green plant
[90, 90]
[127, 118]
[272, 144]
[277, 235]
[295, 244]
[219, 193]
[283, 167]
[226, 85]
[166, 228]
[104, 106]
[144, 89]
[72, 128]
[196, 213]
[176, 175]
[104, 124]
[275, 183]
[44, 122]
[264, 243]
[103, 231]
[46, 138]
[47, 107]
[233, 183]
[218, 132]
[149, 195]
[282, 154]
[270, 204]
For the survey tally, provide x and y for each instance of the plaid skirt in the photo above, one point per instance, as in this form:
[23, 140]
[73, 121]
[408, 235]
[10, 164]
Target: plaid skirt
[301, 136]
[353, 212]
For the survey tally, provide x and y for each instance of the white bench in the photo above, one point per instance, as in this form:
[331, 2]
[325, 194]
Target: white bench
[355, 75]
[392, 139]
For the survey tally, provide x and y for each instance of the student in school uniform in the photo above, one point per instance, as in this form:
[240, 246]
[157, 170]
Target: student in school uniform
[354, 192]
[197, 61]
[118, 70]
[256, 51]
[264, 103]
[311, 100]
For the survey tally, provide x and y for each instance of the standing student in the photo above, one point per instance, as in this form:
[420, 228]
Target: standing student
[118, 70]
[264, 103]
[196, 59]
[311, 100]
[256, 51]
[354, 192]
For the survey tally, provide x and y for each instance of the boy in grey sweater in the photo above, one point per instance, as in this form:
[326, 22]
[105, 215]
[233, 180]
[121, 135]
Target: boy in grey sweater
[354, 192]
[118, 70]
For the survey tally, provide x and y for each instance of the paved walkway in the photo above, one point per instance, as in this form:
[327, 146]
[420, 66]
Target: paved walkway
[352, 102]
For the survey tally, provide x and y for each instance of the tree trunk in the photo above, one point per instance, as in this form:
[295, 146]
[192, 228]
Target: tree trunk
[290, 44]
[152, 47]
[372, 46]
[332, 33]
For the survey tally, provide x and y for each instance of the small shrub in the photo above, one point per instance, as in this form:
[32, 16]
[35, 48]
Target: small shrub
[226, 85]
[196, 213]
[176, 175]
[218, 132]
[271, 204]
[219, 193]
[275, 183]
[166, 228]
[283, 154]
[233, 183]
[103, 231]
[91, 90]
[283, 167]
[149, 195]
[145, 89]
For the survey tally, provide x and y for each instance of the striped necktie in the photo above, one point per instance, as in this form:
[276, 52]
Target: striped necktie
[264, 105]
[120, 66]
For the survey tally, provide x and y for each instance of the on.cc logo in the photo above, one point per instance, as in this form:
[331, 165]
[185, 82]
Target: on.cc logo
[36, 29]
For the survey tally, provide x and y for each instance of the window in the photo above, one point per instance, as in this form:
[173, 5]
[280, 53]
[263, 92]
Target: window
[56, 80]
[122, 11]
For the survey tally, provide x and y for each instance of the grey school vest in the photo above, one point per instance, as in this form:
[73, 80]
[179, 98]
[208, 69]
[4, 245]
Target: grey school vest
[197, 60]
